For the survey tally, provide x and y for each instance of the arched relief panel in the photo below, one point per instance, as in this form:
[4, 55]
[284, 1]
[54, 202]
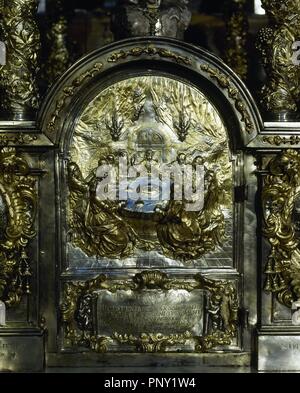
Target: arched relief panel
[161, 124]
[189, 62]
[153, 103]
[161, 99]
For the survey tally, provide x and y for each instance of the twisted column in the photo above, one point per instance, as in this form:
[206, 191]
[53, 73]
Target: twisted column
[19, 96]
[280, 94]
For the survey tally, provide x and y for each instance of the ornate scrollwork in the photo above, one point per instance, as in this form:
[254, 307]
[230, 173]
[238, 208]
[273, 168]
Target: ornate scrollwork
[280, 193]
[19, 197]
[153, 342]
[224, 82]
[18, 88]
[223, 311]
[68, 92]
[19, 138]
[281, 91]
[77, 312]
[281, 140]
[149, 51]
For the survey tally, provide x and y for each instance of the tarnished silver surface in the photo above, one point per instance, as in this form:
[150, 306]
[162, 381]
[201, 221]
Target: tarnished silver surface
[61, 118]
[279, 352]
[21, 352]
[155, 311]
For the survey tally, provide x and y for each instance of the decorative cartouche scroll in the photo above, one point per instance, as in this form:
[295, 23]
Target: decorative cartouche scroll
[77, 312]
[18, 88]
[19, 138]
[236, 36]
[280, 194]
[224, 82]
[69, 91]
[280, 95]
[282, 140]
[18, 209]
[153, 342]
[149, 51]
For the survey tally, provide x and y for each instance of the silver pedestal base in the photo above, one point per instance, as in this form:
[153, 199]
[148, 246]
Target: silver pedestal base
[21, 350]
[279, 351]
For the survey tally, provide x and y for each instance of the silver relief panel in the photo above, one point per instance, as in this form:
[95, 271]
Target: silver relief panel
[155, 311]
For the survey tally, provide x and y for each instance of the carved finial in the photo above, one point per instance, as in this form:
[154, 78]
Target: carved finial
[135, 18]
[280, 95]
[237, 27]
[58, 59]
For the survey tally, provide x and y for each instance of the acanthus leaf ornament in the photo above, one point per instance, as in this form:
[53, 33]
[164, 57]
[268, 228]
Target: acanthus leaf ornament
[19, 198]
[280, 94]
[225, 83]
[78, 319]
[69, 92]
[149, 51]
[282, 140]
[153, 342]
[280, 193]
[18, 86]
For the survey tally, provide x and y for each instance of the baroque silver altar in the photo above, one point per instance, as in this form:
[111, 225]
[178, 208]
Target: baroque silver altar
[131, 279]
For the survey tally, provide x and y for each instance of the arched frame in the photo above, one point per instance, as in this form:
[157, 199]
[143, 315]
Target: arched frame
[183, 62]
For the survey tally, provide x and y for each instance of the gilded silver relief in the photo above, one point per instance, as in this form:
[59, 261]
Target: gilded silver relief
[150, 121]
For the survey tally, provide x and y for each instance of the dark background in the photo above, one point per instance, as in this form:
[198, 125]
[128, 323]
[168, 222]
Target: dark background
[89, 29]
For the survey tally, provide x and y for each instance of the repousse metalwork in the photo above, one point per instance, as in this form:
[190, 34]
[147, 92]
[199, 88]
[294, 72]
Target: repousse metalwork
[17, 188]
[19, 138]
[280, 95]
[163, 122]
[18, 86]
[78, 319]
[149, 50]
[282, 140]
[225, 83]
[280, 193]
[69, 91]
[152, 342]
